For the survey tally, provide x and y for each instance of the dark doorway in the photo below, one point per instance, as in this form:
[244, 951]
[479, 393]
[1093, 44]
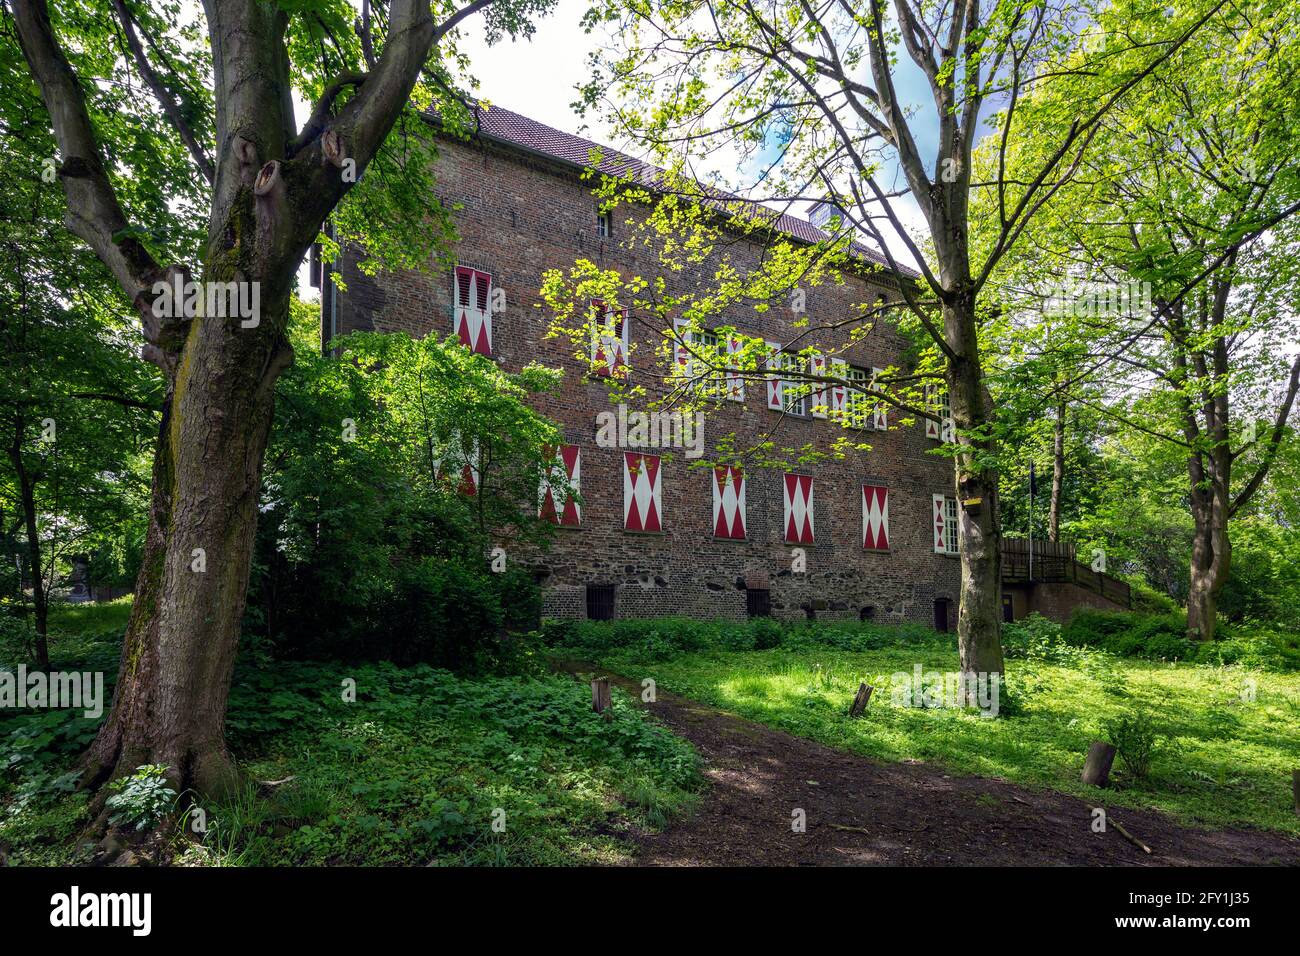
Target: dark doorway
[600, 602]
[868, 613]
[941, 615]
[758, 602]
[1008, 611]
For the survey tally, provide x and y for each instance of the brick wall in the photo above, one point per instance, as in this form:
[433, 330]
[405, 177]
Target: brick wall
[1058, 601]
[522, 215]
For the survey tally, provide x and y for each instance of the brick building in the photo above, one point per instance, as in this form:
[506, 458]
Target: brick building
[651, 535]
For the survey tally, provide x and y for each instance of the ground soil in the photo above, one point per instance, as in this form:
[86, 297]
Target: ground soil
[861, 812]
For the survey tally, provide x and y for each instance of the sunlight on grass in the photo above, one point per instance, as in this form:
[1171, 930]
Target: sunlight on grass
[1223, 759]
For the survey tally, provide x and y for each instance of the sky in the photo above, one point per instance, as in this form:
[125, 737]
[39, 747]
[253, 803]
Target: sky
[539, 77]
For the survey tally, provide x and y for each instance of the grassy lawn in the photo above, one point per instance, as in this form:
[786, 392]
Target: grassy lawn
[414, 772]
[1221, 759]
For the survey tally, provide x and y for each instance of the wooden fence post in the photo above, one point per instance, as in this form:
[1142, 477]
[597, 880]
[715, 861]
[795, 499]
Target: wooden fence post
[600, 695]
[863, 697]
[1096, 769]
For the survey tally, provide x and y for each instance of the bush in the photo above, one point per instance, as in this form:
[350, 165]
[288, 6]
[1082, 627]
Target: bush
[660, 639]
[1135, 739]
[1163, 637]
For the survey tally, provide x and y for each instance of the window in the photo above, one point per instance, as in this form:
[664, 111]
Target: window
[472, 291]
[642, 493]
[758, 602]
[796, 390]
[798, 500]
[600, 602]
[937, 400]
[604, 224]
[558, 502]
[728, 503]
[828, 400]
[945, 524]
[868, 613]
[700, 357]
[875, 518]
[857, 403]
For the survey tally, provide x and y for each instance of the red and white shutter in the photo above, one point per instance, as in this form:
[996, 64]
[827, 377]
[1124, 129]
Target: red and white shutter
[875, 518]
[940, 520]
[879, 410]
[609, 341]
[838, 391]
[821, 399]
[799, 509]
[642, 492]
[735, 380]
[473, 298]
[729, 502]
[681, 348]
[619, 329]
[558, 504]
[932, 404]
[774, 383]
[470, 472]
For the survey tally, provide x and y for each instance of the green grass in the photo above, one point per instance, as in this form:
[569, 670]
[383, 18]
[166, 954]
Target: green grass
[414, 772]
[1222, 759]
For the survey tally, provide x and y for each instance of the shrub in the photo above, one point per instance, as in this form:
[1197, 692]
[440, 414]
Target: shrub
[1163, 637]
[1135, 739]
[660, 639]
[142, 799]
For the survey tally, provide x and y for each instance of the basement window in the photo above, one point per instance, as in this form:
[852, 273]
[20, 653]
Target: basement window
[600, 602]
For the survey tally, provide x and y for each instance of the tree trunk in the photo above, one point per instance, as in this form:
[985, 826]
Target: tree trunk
[1211, 561]
[1058, 475]
[174, 677]
[27, 492]
[979, 617]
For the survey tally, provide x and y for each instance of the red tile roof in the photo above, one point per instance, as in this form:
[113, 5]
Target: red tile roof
[505, 126]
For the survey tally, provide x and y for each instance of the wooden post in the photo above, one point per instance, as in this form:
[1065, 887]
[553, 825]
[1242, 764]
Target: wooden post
[1295, 789]
[600, 695]
[863, 697]
[1096, 769]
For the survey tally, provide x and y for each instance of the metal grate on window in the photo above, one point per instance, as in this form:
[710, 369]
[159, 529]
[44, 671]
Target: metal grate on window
[758, 602]
[600, 602]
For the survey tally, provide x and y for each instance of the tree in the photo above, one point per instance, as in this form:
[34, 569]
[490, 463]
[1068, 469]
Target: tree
[269, 187]
[1189, 201]
[811, 93]
[75, 406]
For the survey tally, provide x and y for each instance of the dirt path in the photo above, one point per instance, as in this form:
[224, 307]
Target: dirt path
[862, 812]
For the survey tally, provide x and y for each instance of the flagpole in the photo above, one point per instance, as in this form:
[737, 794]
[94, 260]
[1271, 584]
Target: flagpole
[1031, 522]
